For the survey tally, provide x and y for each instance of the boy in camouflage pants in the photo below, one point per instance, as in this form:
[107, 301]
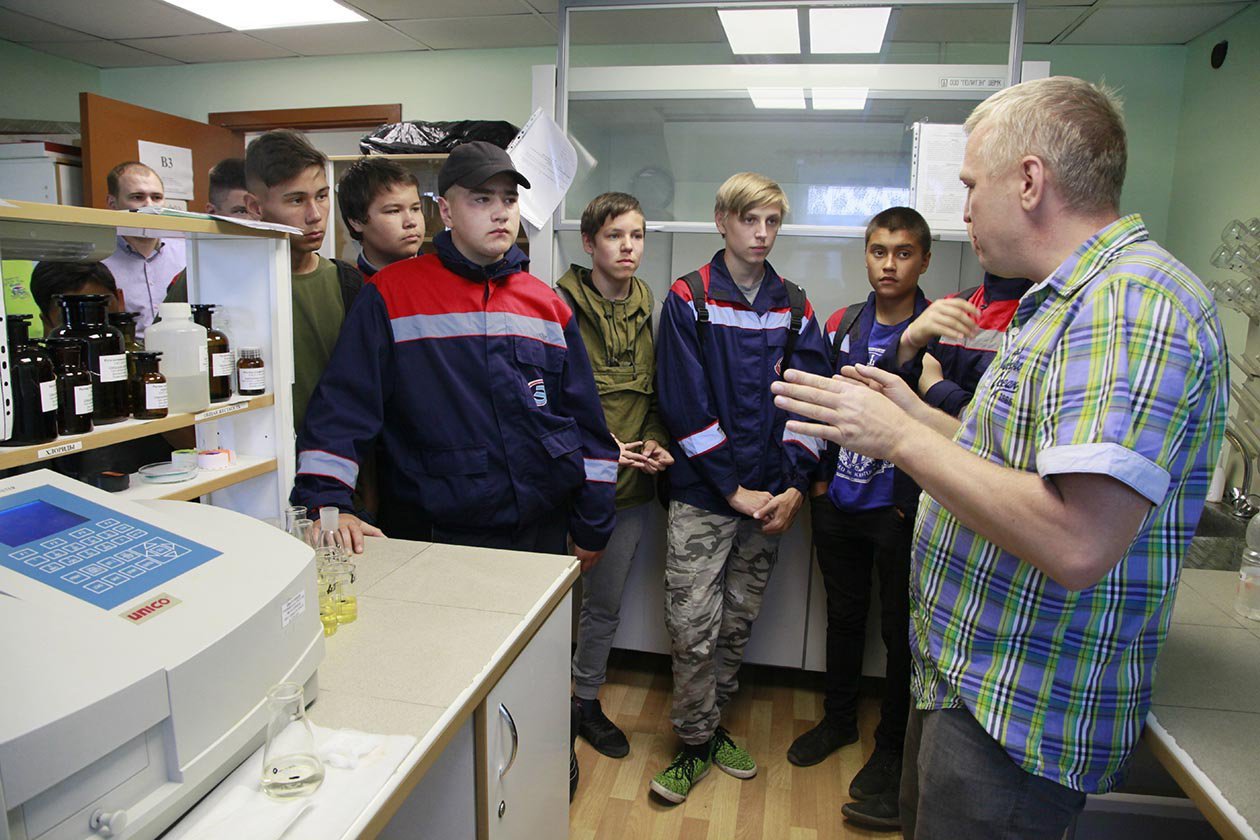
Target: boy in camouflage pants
[727, 332]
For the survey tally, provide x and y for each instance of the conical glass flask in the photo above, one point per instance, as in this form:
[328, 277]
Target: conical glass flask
[290, 767]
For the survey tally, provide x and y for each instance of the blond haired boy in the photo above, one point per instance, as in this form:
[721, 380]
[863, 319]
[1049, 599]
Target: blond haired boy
[727, 332]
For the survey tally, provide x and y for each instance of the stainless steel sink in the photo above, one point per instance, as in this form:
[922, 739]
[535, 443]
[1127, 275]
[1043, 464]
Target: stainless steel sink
[1218, 540]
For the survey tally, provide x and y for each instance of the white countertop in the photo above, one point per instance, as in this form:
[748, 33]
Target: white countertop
[1204, 724]
[438, 625]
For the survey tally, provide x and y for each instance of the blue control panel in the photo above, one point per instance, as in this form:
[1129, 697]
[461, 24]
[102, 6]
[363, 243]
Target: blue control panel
[91, 552]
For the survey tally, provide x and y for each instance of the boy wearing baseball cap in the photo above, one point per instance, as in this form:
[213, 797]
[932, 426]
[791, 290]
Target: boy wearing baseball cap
[472, 374]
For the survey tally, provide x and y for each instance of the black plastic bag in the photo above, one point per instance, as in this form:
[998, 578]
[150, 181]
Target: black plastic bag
[421, 137]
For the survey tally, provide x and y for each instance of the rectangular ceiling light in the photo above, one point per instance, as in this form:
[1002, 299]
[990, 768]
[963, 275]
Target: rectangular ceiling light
[847, 30]
[251, 14]
[761, 31]
[778, 97]
[839, 98]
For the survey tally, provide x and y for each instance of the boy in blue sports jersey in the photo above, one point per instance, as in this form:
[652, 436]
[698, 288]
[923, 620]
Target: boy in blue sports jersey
[863, 518]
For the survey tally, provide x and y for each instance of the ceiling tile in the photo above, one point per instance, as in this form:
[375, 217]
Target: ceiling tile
[100, 53]
[117, 18]
[646, 26]
[1043, 25]
[219, 46]
[1151, 24]
[490, 32]
[21, 28]
[426, 9]
[337, 38]
[548, 6]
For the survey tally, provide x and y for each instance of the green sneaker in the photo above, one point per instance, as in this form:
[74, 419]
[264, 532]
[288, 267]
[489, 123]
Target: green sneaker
[731, 758]
[676, 781]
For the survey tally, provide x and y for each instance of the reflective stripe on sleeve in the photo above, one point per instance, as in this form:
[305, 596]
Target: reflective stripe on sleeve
[319, 462]
[598, 469]
[705, 440]
[812, 444]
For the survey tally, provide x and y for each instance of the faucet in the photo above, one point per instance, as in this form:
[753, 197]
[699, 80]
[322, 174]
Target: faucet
[1238, 501]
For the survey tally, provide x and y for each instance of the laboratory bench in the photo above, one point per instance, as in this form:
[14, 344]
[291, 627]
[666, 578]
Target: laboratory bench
[1204, 723]
[467, 650]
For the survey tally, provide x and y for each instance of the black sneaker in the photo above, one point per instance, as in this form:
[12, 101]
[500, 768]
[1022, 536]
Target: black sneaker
[881, 774]
[821, 741]
[598, 731]
[879, 812]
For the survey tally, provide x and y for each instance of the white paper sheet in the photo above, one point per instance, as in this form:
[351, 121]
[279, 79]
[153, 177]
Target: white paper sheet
[938, 194]
[544, 155]
[173, 164]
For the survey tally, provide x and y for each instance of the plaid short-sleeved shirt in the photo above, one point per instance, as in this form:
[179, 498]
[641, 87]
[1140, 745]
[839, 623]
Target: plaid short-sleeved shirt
[1114, 365]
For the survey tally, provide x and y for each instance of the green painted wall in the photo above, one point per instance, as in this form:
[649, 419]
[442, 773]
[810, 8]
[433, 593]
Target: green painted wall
[438, 85]
[39, 86]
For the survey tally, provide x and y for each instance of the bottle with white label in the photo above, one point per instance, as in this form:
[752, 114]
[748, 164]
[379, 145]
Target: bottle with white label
[221, 359]
[84, 320]
[34, 386]
[185, 361]
[251, 373]
[148, 387]
[74, 387]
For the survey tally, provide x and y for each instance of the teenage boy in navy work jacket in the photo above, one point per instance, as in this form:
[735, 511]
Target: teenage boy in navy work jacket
[739, 477]
[863, 519]
[474, 377]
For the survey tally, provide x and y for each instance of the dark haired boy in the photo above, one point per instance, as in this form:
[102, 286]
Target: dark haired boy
[288, 184]
[473, 376]
[51, 278]
[229, 196]
[614, 317]
[863, 519]
[380, 204]
[143, 267]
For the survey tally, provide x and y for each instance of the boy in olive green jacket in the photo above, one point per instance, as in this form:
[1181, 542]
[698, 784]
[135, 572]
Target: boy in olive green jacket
[614, 315]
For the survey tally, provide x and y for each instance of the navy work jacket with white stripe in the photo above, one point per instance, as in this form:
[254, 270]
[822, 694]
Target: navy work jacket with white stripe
[716, 399]
[478, 385]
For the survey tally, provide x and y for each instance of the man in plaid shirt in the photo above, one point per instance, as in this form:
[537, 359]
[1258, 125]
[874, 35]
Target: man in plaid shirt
[1056, 514]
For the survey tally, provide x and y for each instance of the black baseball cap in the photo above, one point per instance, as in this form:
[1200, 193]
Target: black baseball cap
[472, 164]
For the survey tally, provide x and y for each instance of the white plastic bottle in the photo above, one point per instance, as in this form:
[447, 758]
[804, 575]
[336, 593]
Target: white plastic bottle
[185, 360]
[1247, 601]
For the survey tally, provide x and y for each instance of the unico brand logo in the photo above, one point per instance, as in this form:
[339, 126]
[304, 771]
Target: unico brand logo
[143, 611]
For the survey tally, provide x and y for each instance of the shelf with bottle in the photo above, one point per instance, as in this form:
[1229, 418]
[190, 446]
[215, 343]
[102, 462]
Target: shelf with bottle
[125, 430]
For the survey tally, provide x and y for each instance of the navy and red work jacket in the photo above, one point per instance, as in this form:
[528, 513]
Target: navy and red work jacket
[716, 401]
[478, 385]
[964, 362]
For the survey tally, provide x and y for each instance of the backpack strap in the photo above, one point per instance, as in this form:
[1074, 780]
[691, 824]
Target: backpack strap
[696, 284]
[350, 280]
[796, 300]
[851, 313]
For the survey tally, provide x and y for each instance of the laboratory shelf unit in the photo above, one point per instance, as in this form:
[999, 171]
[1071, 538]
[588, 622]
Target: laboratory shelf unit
[17, 456]
[206, 481]
[242, 268]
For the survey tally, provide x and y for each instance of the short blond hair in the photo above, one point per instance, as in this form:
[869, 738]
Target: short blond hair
[1074, 127]
[746, 191]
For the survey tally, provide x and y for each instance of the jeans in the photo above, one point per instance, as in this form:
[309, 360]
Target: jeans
[849, 546]
[600, 614]
[956, 781]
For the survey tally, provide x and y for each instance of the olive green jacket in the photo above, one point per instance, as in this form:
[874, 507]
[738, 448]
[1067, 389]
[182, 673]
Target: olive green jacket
[618, 338]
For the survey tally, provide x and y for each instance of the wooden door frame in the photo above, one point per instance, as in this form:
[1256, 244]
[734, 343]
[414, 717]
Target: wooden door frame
[308, 119]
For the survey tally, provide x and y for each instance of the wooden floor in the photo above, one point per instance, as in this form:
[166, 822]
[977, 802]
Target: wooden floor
[783, 801]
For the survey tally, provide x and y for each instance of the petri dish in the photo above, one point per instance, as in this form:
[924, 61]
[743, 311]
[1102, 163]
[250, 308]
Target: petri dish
[165, 472]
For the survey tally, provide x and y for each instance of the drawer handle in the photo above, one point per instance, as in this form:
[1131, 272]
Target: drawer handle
[507, 718]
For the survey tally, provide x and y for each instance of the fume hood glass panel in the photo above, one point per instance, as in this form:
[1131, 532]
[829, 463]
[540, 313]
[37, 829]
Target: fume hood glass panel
[666, 103]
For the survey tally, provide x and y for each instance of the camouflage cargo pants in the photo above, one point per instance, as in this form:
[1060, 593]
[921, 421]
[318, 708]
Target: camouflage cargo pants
[716, 571]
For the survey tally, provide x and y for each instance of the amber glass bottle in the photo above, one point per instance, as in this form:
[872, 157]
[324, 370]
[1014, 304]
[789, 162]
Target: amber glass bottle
[34, 386]
[251, 375]
[221, 361]
[83, 317]
[74, 387]
[148, 387]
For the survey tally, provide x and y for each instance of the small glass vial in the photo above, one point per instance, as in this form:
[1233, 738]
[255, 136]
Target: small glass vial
[251, 374]
[74, 387]
[148, 388]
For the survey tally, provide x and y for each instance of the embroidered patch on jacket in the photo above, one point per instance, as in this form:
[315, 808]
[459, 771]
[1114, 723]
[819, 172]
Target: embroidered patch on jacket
[540, 392]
